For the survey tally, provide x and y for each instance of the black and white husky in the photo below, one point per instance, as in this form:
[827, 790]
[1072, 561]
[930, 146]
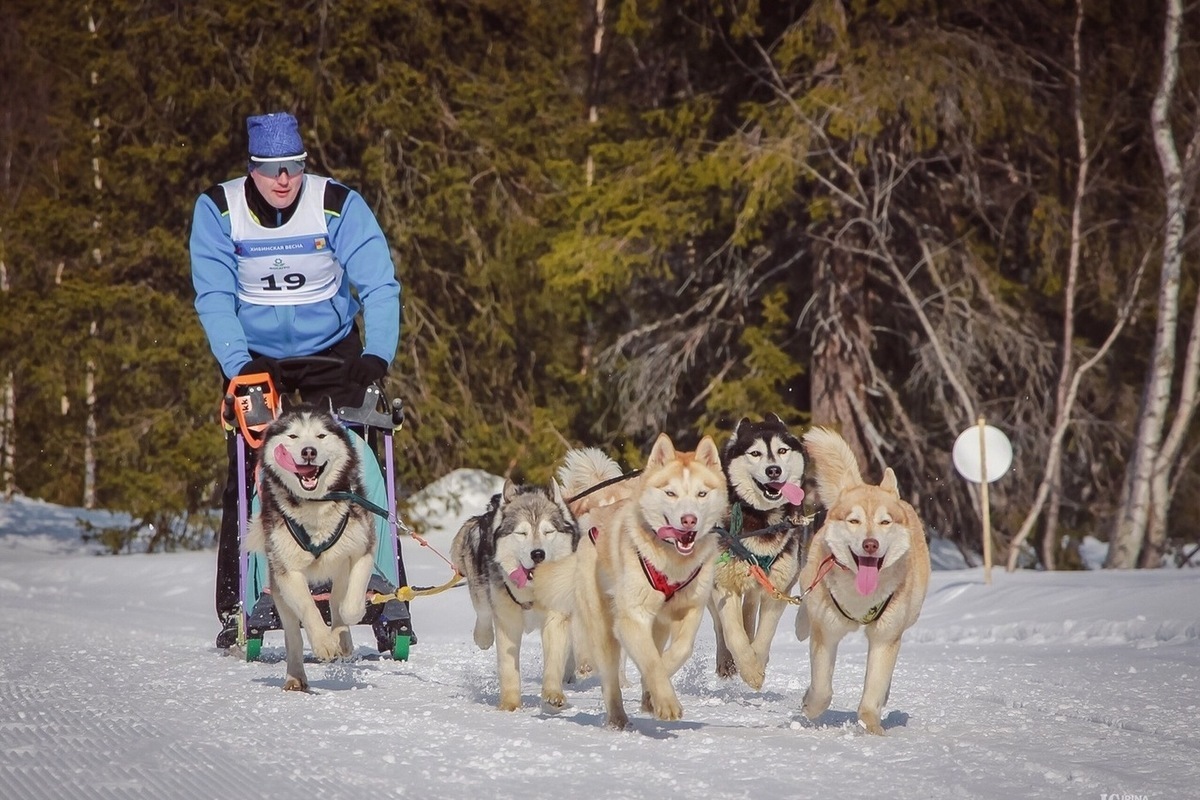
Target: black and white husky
[518, 557]
[306, 456]
[764, 467]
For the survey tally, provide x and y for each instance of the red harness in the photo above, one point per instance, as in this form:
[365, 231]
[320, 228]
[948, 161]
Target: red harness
[658, 580]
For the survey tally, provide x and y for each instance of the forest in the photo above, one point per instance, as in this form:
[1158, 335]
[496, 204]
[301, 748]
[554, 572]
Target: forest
[612, 218]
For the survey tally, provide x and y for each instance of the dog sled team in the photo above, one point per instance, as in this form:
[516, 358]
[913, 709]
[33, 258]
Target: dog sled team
[613, 566]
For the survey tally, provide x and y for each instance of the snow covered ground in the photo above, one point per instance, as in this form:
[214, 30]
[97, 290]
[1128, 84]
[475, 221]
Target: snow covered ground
[1060, 685]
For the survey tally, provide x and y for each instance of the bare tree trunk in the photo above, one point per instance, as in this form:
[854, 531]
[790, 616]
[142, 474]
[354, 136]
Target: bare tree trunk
[89, 439]
[594, 80]
[8, 453]
[8, 430]
[839, 370]
[1133, 518]
[1062, 398]
[1168, 464]
[8, 447]
[1067, 390]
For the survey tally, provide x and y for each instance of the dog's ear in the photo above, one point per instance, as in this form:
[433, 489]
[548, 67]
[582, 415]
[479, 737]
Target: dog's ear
[509, 491]
[774, 419]
[889, 483]
[664, 451]
[741, 422]
[706, 453]
[557, 495]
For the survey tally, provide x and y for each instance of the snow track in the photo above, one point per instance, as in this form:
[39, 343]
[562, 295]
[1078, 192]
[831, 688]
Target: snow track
[1039, 686]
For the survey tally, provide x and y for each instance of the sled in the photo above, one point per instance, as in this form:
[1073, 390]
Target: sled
[251, 404]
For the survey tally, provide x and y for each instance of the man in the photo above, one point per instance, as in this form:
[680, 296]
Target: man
[275, 255]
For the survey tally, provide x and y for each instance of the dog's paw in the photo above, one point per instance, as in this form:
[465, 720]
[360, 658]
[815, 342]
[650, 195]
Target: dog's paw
[726, 668]
[353, 612]
[484, 636]
[345, 642]
[294, 684]
[326, 646]
[754, 674]
[667, 709]
[870, 722]
[616, 720]
[815, 703]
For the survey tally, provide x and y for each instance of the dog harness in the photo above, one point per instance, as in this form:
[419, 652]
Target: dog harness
[658, 580]
[732, 540]
[300, 535]
[873, 613]
[513, 597]
[304, 540]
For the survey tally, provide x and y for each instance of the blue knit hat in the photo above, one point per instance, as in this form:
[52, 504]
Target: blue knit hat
[274, 137]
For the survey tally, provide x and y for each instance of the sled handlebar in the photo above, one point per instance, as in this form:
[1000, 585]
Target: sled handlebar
[374, 411]
[252, 401]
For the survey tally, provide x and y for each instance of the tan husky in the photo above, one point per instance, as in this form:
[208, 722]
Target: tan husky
[646, 564]
[868, 566]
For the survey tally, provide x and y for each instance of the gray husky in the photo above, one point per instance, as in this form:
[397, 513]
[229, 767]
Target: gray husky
[306, 454]
[518, 557]
[764, 467]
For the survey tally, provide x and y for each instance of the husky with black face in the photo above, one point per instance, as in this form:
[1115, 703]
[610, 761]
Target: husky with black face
[518, 557]
[764, 467]
[306, 455]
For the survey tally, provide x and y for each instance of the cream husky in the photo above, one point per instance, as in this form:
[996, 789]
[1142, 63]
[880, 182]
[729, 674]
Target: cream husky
[518, 559]
[645, 566]
[307, 540]
[868, 566]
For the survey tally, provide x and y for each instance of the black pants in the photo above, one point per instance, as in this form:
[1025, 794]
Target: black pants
[318, 383]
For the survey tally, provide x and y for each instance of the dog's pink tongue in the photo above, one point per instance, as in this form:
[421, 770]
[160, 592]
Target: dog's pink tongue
[670, 534]
[868, 577]
[284, 459]
[519, 576]
[792, 493]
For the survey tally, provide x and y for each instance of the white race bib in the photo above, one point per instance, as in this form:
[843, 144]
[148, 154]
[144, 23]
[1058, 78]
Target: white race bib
[286, 266]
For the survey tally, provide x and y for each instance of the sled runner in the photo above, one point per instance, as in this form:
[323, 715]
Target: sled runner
[250, 405]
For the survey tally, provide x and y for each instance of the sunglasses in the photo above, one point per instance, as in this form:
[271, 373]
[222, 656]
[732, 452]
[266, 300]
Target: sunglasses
[271, 169]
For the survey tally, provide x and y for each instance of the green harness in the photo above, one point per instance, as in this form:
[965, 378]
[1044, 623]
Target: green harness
[304, 540]
[734, 546]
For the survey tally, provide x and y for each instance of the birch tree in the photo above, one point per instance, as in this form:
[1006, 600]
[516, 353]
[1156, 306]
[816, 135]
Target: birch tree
[1070, 378]
[1145, 498]
[89, 387]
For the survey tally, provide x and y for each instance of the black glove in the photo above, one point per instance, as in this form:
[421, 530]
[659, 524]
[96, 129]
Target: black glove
[263, 364]
[366, 370]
